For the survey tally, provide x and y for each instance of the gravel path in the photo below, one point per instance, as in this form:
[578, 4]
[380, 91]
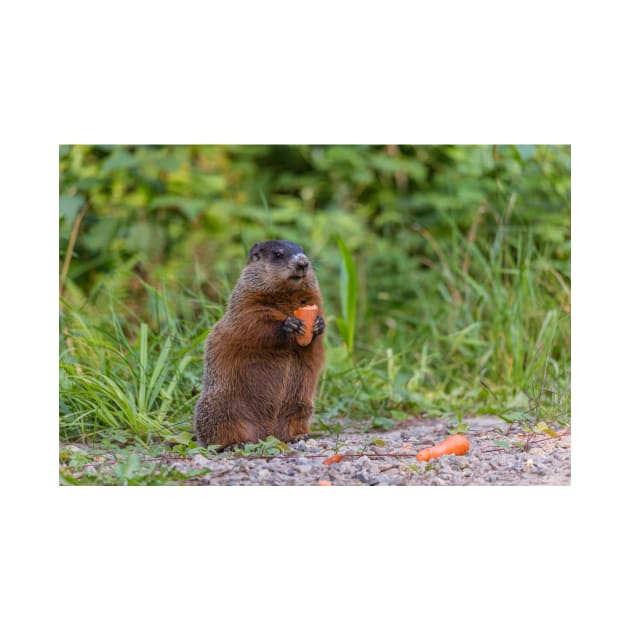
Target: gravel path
[368, 459]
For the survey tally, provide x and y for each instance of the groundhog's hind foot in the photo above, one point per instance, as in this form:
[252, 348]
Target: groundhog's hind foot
[301, 436]
[232, 434]
[298, 428]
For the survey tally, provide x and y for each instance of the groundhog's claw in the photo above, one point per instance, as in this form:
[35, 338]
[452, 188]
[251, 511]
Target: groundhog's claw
[318, 326]
[293, 325]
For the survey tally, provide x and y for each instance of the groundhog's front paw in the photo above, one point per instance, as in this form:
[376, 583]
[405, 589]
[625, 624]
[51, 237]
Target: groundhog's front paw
[318, 326]
[293, 325]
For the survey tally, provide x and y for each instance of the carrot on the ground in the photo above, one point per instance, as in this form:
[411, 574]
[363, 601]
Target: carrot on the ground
[307, 314]
[324, 482]
[333, 459]
[452, 445]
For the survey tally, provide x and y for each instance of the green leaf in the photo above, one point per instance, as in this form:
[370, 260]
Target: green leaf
[69, 207]
[458, 428]
[183, 437]
[382, 422]
[190, 207]
[101, 234]
[128, 467]
[526, 151]
[397, 414]
[66, 479]
[120, 160]
[146, 237]
[513, 416]
[349, 291]
[378, 442]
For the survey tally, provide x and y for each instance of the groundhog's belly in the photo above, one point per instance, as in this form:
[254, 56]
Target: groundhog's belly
[262, 387]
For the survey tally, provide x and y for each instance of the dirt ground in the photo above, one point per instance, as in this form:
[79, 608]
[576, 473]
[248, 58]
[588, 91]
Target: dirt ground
[499, 455]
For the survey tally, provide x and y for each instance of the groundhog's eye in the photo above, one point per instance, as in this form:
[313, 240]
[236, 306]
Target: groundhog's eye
[278, 254]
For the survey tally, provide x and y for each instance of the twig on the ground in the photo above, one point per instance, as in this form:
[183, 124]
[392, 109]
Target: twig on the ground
[528, 442]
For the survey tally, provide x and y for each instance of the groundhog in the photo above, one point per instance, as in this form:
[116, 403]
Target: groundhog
[258, 380]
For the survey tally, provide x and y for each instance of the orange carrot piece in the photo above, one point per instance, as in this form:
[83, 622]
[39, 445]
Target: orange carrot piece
[307, 314]
[452, 445]
[324, 482]
[333, 459]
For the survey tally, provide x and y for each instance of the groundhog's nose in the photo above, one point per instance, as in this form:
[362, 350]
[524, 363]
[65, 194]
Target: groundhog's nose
[301, 262]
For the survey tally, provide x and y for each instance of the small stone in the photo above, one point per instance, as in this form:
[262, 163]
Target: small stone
[200, 461]
[304, 470]
[380, 480]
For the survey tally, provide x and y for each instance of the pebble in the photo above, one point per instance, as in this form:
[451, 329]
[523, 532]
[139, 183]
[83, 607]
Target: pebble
[199, 461]
[303, 470]
[362, 476]
[382, 480]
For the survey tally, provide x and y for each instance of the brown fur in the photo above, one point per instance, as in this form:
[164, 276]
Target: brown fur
[258, 381]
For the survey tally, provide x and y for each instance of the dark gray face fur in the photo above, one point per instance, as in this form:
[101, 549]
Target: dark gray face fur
[283, 255]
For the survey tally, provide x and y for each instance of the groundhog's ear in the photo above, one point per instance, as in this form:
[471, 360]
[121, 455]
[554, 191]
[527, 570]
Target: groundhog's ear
[254, 251]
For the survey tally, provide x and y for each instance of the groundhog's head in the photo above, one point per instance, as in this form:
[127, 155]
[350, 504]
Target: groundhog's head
[280, 265]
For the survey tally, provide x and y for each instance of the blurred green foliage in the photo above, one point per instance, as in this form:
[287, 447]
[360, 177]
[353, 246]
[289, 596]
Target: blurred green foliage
[174, 214]
[462, 253]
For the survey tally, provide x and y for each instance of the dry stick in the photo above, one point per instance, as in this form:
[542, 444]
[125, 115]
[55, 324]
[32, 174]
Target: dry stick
[293, 455]
[70, 250]
[565, 307]
[144, 460]
[64, 274]
[528, 443]
[510, 207]
[324, 455]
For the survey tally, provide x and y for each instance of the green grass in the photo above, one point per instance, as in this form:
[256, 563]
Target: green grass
[126, 378]
[486, 332]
